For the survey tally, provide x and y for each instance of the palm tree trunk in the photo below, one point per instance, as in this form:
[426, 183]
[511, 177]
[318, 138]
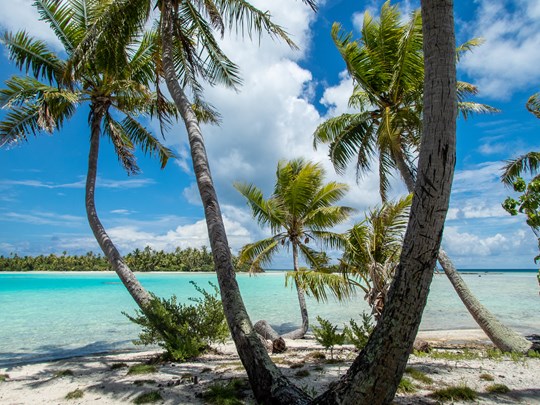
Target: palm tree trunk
[137, 291]
[375, 374]
[267, 382]
[301, 332]
[504, 338]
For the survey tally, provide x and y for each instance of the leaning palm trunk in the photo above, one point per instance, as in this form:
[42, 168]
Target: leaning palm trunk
[137, 291]
[301, 332]
[267, 382]
[502, 336]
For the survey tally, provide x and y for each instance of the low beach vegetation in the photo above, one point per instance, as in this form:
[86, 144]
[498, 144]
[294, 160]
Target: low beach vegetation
[76, 394]
[229, 393]
[302, 373]
[148, 398]
[117, 366]
[358, 335]
[497, 389]
[63, 373]
[486, 377]
[418, 375]
[184, 331]
[327, 335]
[4, 377]
[406, 386]
[142, 369]
[455, 393]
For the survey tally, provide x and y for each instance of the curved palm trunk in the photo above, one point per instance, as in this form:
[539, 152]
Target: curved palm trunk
[375, 374]
[301, 332]
[502, 336]
[137, 291]
[267, 382]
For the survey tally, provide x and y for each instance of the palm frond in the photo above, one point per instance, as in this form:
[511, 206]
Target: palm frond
[468, 108]
[533, 104]
[259, 253]
[318, 284]
[527, 163]
[58, 15]
[141, 137]
[122, 144]
[243, 17]
[467, 47]
[33, 55]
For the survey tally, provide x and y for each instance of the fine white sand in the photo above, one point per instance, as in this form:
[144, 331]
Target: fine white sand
[185, 383]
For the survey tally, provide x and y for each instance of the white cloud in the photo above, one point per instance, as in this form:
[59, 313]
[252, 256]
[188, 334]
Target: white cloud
[508, 61]
[43, 218]
[18, 15]
[100, 183]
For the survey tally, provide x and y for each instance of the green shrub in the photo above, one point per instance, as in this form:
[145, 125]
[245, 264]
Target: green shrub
[148, 398]
[78, 393]
[184, 331]
[358, 335]
[459, 393]
[226, 393]
[498, 389]
[327, 335]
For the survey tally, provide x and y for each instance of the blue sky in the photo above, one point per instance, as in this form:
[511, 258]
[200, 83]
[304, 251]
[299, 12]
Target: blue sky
[286, 94]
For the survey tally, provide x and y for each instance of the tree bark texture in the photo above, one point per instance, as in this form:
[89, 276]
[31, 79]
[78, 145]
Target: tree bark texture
[375, 374]
[506, 339]
[301, 332]
[137, 291]
[267, 382]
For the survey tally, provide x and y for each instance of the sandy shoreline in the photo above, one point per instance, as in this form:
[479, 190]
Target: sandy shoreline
[104, 379]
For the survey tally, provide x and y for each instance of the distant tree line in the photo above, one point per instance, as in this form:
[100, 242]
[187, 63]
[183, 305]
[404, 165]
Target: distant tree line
[147, 259]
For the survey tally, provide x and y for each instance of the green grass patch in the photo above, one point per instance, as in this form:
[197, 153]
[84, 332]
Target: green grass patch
[229, 393]
[63, 373]
[534, 354]
[406, 386]
[317, 355]
[3, 377]
[140, 383]
[486, 377]
[302, 373]
[78, 393]
[456, 393]
[148, 398]
[419, 375]
[117, 366]
[497, 389]
[142, 369]
[465, 354]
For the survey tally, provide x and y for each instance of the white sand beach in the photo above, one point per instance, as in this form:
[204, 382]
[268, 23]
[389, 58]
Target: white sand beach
[105, 379]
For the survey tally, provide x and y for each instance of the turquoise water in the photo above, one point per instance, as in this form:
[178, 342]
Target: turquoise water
[55, 315]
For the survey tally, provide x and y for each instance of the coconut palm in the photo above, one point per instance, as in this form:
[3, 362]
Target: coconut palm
[373, 248]
[45, 100]
[387, 68]
[299, 211]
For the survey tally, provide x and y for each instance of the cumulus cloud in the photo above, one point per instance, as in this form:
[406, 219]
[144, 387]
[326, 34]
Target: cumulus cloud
[508, 60]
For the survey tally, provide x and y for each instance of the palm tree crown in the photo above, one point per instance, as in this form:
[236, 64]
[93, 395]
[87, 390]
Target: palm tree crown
[299, 211]
[387, 67]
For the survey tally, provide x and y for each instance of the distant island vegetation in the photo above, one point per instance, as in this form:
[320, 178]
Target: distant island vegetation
[147, 259]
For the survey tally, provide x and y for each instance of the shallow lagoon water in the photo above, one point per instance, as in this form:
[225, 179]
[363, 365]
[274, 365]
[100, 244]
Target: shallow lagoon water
[54, 315]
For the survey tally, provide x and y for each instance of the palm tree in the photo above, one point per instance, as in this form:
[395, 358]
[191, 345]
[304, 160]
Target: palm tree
[299, 211]
[387, 68]
[44, 101]
[373, 249]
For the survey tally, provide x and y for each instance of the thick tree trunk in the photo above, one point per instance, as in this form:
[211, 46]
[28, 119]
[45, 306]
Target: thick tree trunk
[267, 382]
[375, 374]
[137, 291]
[502, 336]
[301, 332]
